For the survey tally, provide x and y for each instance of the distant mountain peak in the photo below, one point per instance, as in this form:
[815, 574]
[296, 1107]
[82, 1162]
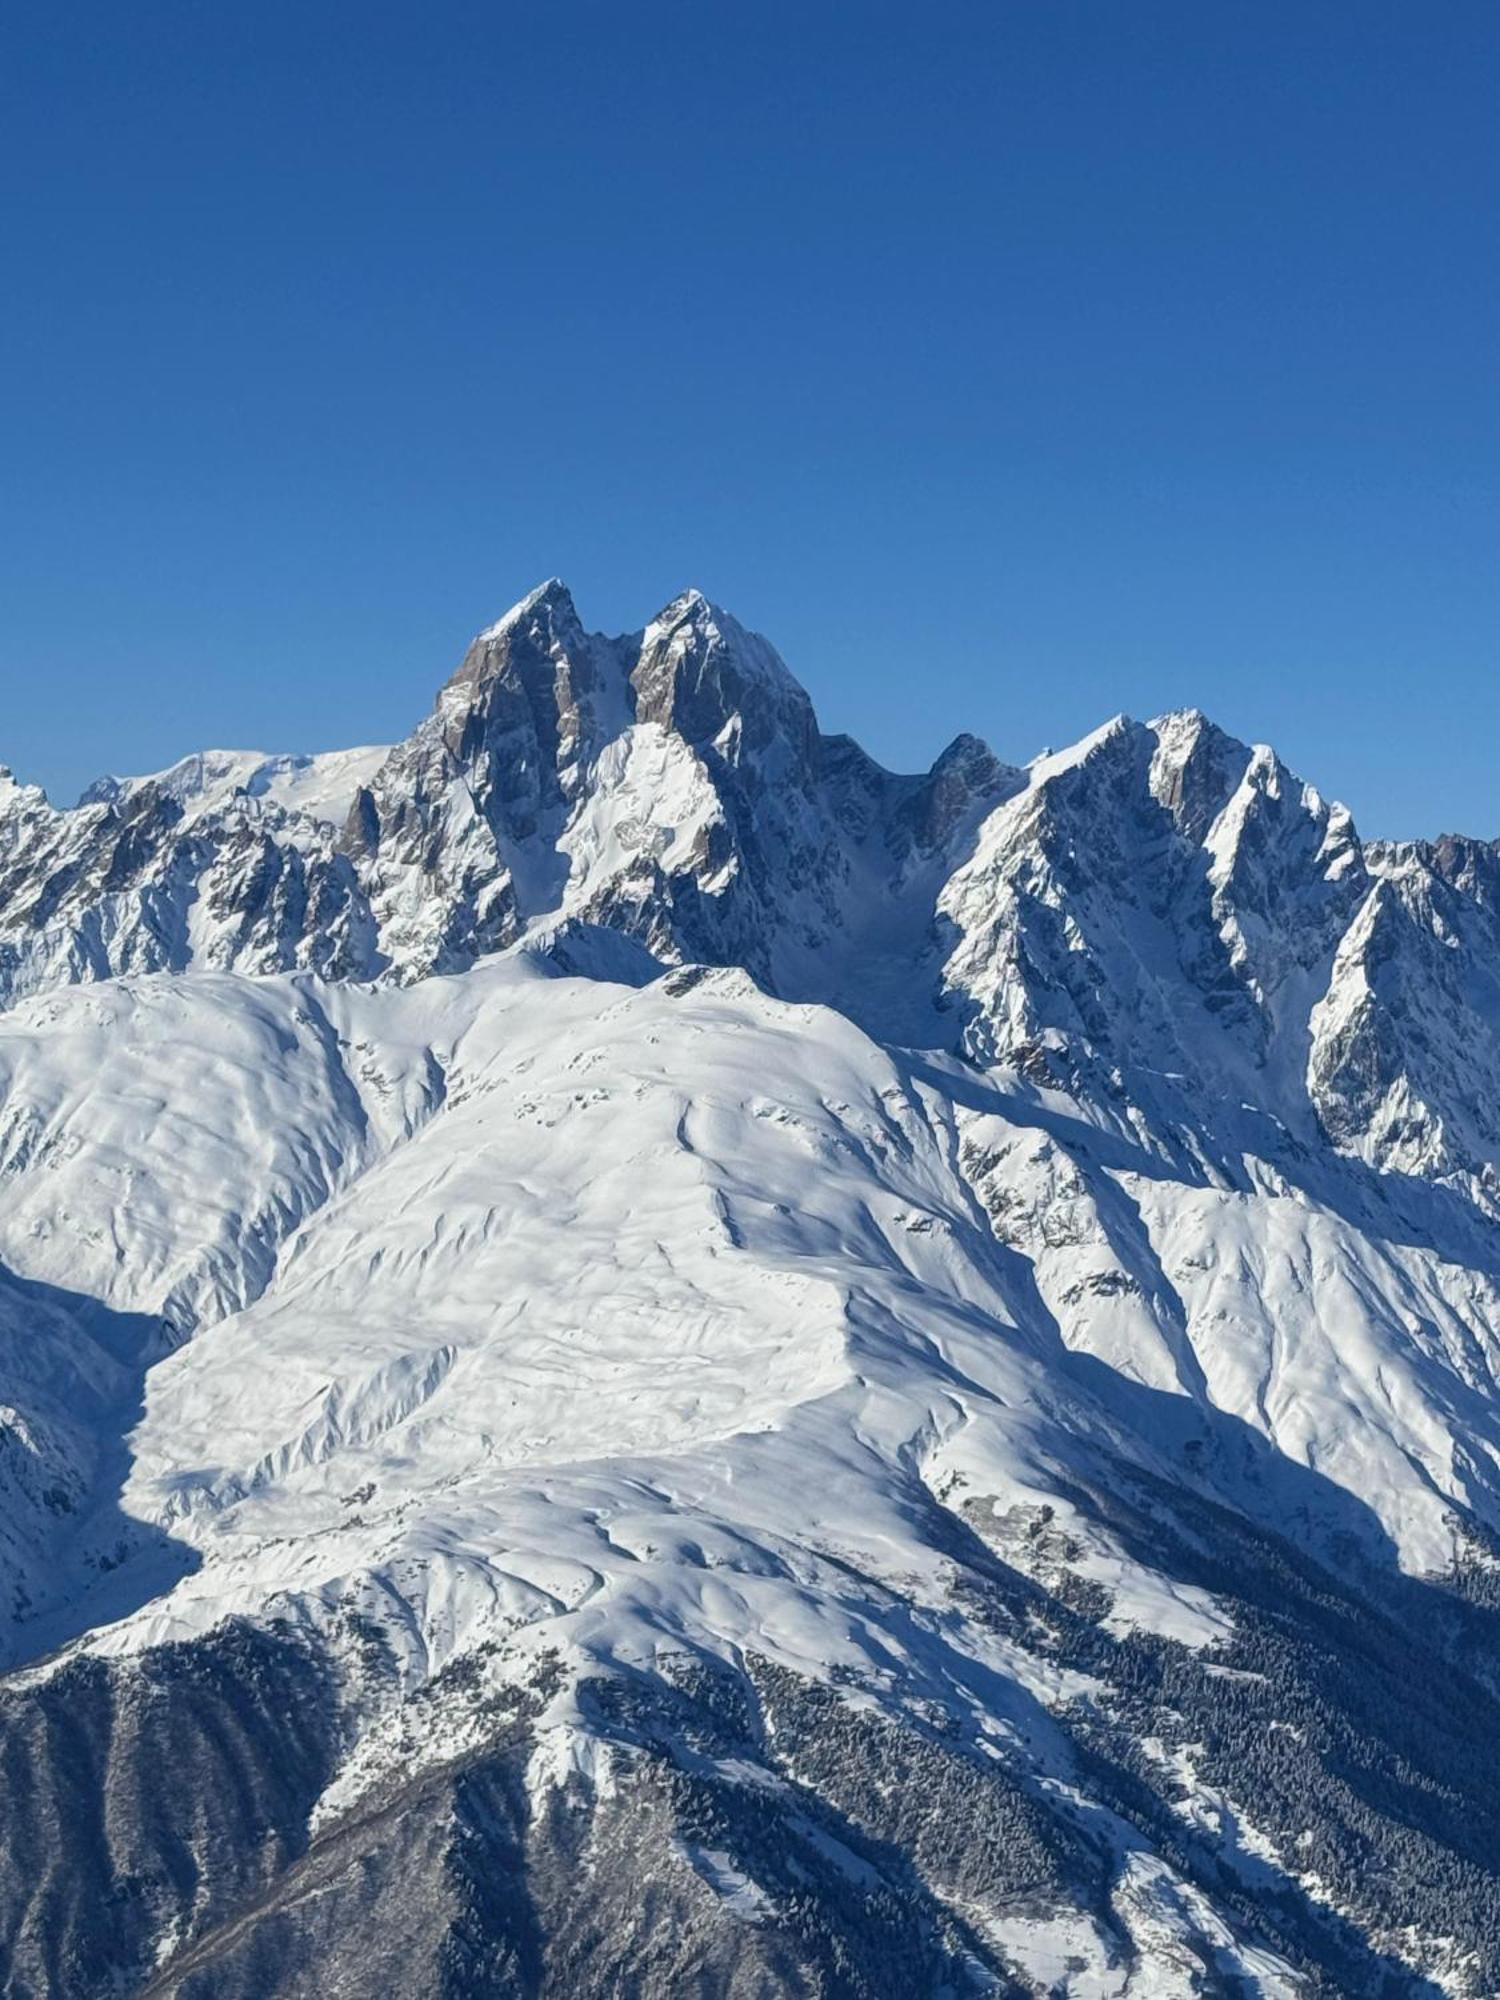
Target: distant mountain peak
[551, 601]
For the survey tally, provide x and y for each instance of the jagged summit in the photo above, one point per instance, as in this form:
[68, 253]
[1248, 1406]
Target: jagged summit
[549, 600]
[692, 667]
[13, 788]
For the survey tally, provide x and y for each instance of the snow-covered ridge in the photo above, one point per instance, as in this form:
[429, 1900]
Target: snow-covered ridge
[319, 787]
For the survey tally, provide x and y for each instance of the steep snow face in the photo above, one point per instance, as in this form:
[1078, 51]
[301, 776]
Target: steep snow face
[447, 1209]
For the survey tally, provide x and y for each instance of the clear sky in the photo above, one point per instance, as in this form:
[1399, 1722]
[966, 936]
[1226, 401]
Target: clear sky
[1009, 365]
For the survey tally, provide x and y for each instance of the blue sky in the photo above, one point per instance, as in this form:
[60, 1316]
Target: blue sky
[1009, 365]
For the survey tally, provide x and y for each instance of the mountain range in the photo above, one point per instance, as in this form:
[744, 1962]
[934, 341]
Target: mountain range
[640, 1358]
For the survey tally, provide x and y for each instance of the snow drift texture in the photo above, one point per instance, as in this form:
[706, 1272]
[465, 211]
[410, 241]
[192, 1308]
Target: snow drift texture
[639, 1358]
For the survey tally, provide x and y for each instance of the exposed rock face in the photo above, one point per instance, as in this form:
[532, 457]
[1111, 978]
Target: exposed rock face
[675, 1363]
[457, 832]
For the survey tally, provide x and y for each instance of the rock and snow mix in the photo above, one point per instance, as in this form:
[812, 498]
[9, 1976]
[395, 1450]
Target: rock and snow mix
[903, 1351]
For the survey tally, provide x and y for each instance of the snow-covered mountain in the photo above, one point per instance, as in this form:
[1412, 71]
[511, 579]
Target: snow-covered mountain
[640, 1358]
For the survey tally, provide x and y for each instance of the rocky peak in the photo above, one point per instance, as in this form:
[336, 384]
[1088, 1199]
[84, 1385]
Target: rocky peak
[533, 697]
[537, 642]
[725, 690]
[966, 779]
[1472, 867]
[550, 605]
[1194, 771]
[17, 797]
